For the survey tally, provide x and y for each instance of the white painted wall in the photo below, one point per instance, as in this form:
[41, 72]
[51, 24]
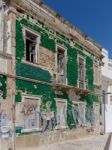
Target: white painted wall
[108, 113]
[106, 69]
[107, 87]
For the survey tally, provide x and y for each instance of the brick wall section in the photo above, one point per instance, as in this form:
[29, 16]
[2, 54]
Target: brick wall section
[47, 58]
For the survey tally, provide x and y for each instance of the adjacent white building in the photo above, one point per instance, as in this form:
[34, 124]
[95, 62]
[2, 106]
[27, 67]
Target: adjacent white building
[107, 88]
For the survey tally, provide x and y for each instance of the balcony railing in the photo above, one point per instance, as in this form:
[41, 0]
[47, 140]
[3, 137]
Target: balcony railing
[61, 79]
[82, 84]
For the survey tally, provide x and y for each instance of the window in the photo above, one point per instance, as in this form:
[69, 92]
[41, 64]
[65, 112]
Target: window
[79, 113]
[61, 113]
[30, 111]
[61, 65]
[81, 72]
[96, 74]
[31, 47]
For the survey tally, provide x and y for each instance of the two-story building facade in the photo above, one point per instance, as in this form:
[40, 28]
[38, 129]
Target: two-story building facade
[53, 71]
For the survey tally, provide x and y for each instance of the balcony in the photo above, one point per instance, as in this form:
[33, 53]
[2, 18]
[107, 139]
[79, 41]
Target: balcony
[59, 80]
[60, 83]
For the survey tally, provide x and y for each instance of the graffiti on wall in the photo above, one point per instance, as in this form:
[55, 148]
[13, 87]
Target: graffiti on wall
[5, 124]
[78, 112]
[46, 120]
[29, 115]
[30, 111]
[89, 117]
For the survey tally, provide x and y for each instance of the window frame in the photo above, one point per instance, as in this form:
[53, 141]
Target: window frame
[37, 44]
[82, 57]
[98, 81]
[78, 103]
[61, 100]
[65, 65]
[34, 97]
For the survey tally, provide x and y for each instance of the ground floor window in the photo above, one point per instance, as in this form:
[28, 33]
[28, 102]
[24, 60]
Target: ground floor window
[79, 113]
[28, 113]
[61, 113]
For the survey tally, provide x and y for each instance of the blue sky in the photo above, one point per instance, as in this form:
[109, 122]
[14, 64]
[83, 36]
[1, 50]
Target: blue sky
[93, 17]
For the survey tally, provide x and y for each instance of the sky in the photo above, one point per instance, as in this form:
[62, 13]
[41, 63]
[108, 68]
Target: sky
[93, 17]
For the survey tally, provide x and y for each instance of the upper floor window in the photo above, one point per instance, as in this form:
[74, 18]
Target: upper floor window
[96, 75]
[61, 69]
[31, 40]
[81, 74]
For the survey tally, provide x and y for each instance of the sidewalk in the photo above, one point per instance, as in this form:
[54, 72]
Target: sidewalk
[88, 143]
[97, 142]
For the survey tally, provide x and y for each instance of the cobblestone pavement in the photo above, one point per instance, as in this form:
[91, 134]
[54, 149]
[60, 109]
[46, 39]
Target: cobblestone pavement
[97, 142]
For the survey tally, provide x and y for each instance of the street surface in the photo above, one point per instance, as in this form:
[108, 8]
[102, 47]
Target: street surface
[98, 142]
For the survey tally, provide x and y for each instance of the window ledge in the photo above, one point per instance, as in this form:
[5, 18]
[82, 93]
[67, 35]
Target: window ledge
[30, 63]
[37, 65]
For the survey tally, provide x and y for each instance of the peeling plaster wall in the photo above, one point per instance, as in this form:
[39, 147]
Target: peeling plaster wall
[47, 67]
[7, 70]
[1, 29]
[37, 80]
[3, 66]
[9, 41]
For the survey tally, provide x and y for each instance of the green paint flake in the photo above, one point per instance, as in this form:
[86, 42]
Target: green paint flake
[90, 99]
[72, 67]
[70, 121]
[3, 88]
[18, 97]
[47, 92]
[47, 42]
[31, 72]
[19, 42]
[89, 73]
